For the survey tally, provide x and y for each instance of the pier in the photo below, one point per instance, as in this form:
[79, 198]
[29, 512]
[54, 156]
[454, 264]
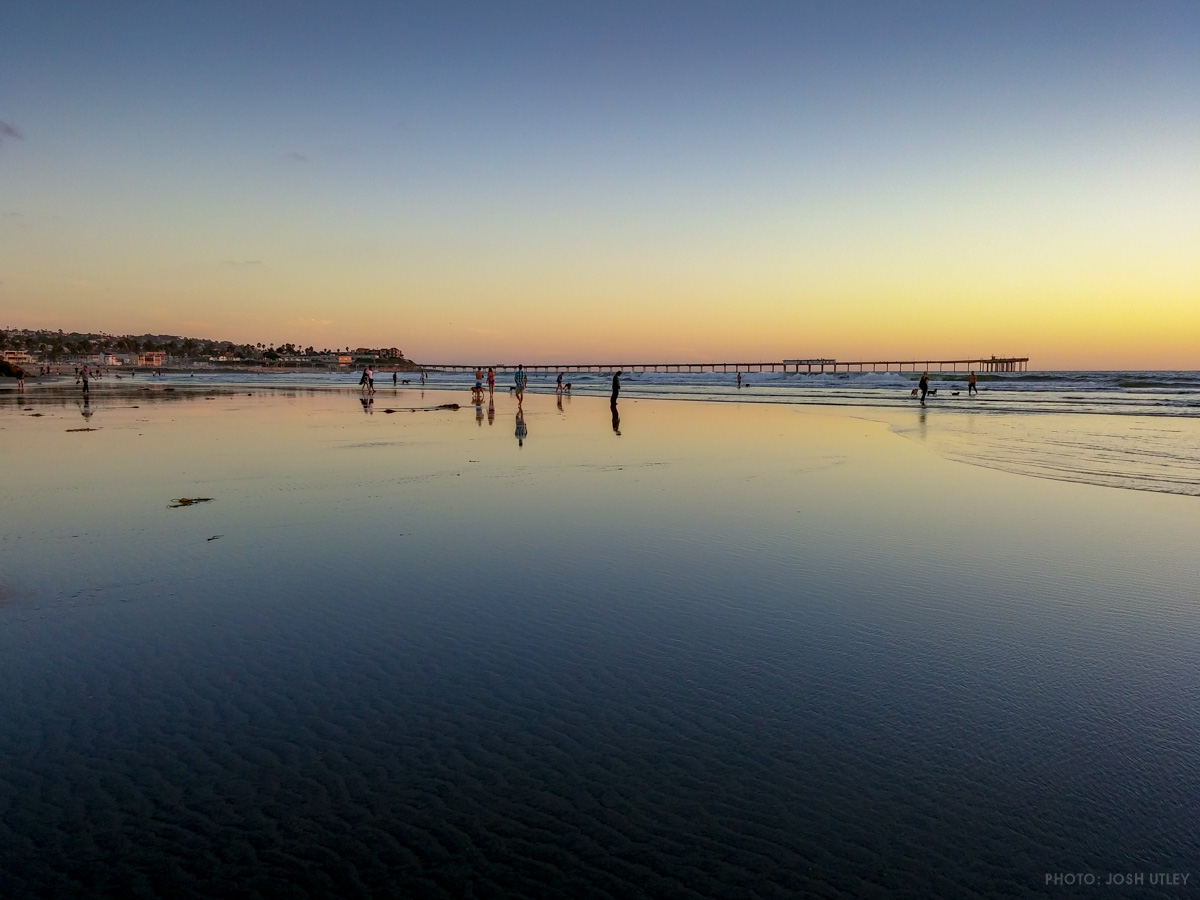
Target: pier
[808, 366]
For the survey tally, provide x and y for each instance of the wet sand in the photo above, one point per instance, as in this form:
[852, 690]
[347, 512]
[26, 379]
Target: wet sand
[755, 651]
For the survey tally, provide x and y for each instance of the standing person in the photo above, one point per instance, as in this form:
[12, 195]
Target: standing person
[84, 375]
[491, 380]
[558, 388]
[370, 380]
[21, 380]
[923, 385]
[393, 379]
[422, 378]
[739, 379]
[477, 391]
[520, 381]
[616, 389]
[971, 388]
[362, 382]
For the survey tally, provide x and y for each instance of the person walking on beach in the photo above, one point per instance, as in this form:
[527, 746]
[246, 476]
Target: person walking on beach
[520, 381]
[971, 388]
[393, 379]
[616, 389]
[84, 375]
[923, 385]
[21, 380]
[362, 382]
[558, 386]
[491, 380]
[739, 379]
[477, 391]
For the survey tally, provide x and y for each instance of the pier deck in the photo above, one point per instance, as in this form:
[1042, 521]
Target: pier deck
[978, 364]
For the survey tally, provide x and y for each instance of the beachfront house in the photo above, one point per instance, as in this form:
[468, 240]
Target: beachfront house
[16, 357]
[151, 358]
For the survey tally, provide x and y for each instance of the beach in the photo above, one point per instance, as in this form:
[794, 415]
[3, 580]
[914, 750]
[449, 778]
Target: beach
[695, 649]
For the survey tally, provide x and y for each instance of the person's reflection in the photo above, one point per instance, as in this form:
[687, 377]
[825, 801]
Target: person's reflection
[921, 424]
[522, 430]
[491, 411]
[616, 420]
[368, 404]
[560, 397]
[479, 411]
[85, 408]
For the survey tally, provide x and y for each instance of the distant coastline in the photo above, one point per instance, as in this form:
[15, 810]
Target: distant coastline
[41, 347]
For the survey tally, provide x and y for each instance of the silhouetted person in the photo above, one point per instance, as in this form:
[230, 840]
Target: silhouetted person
[971, 388]
[612, 401]
[393, 379]
[559, 383]
[520, 380]
[923, 386]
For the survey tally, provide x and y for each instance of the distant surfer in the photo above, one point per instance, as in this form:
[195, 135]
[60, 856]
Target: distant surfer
[923, 386]
[971, 388]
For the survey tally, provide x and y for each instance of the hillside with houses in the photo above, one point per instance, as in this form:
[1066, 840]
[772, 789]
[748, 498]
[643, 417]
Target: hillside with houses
[25, 347]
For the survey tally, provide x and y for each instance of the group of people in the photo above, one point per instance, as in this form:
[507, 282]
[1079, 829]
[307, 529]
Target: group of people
[923, 386]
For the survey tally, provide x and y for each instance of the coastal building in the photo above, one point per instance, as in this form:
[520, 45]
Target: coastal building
[151, 358]
[17, 356]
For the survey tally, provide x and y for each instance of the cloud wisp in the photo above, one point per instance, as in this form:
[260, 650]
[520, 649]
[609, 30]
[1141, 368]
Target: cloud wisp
[9, 133]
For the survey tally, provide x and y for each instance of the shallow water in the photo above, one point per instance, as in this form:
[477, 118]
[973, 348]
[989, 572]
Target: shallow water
[733, 650]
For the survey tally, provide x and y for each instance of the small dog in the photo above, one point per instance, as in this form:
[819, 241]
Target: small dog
[568, 387]
[954, 393]
[932, 392]
[406, 381]
[914, 392]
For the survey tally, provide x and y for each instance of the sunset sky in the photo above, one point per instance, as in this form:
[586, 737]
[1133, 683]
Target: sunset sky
[611, 181]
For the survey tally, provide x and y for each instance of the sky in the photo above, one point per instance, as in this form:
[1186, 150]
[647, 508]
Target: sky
[610, 182]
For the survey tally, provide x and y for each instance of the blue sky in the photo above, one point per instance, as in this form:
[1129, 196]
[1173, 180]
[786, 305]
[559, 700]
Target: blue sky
[695, 178]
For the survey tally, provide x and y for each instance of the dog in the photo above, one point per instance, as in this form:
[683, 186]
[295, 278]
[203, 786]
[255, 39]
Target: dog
[568, 387]
[932, 392]
[914, 392]
[406, 381]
